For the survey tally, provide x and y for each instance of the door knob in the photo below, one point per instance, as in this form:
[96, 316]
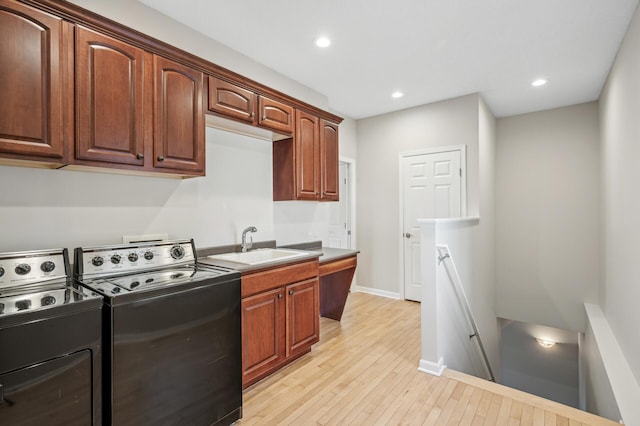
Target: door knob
[407, 235]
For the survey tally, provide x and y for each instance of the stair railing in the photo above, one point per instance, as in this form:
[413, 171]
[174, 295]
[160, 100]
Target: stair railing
[444, 257]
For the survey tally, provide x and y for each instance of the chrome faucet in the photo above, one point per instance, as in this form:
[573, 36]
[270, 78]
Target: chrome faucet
[247, 245]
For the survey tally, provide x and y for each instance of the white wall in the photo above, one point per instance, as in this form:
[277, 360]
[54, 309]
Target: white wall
[466, 243]
[599, 395]
[620, 134]
[485, 247]
[380, 141]
[547, 239]
[51, 208]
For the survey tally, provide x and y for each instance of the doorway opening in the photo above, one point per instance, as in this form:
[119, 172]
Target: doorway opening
[342, 213]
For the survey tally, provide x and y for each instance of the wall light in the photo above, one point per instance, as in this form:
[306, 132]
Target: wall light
[539, 82]
[546, 343]
[397, 95]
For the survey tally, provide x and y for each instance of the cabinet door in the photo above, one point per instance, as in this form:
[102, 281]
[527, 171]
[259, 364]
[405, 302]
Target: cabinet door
[31, 82]
[179, 117]
[303, 316]
[275, 115]
[231, 100]
[329, 159]
[307, 153]
[263, 334]
[109, 99]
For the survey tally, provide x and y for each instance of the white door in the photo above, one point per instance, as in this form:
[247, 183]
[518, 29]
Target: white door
[339, 214]
[431, 189]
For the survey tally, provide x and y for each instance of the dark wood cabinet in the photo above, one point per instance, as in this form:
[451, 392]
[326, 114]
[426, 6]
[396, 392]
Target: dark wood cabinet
[32, 83]
[307, 151]
[275, 115]
[178, 131]
[280, 317]
[232, 101]
[303, 315]
[329, 160]
[335, 284]
[263, 337]
[241, 104]
[306, 167]
[110, 107]
[81, 91]
[135, 110]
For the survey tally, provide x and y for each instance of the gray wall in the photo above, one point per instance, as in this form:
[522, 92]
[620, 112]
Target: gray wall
[547, 239]
[551, 373]
[620, 134]
[381, 139]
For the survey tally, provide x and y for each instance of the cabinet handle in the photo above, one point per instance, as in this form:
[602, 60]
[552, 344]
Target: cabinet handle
[140, 156]
[290, 292]
[160, 158]
[279, 295]
[264, 117]
[252, 114]
[317, 192]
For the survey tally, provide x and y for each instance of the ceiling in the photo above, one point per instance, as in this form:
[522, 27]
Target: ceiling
[429, 50]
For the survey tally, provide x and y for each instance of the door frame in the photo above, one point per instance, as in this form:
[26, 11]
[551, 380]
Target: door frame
[463, 196]
[352, 205]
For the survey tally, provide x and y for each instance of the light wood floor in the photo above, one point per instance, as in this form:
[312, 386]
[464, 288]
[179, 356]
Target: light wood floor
[364, 372]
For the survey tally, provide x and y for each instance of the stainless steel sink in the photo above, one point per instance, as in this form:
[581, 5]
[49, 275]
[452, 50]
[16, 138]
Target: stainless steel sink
[260, 256]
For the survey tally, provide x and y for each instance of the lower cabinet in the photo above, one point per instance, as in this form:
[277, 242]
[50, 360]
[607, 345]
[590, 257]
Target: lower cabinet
[280, 318]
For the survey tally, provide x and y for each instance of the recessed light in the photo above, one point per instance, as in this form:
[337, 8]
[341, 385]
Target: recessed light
[546, 343]
[323, 42]
[539, 82]
[397, 95]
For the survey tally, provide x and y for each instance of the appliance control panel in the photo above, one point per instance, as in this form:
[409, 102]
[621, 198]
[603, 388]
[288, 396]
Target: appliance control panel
[24, 268]
[111, 260]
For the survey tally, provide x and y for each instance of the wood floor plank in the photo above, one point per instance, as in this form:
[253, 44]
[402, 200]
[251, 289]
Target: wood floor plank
[472, 407]
[364, 372]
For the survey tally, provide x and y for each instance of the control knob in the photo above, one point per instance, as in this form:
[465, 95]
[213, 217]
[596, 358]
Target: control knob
[133, 257]
[177, 252]
[22, 305]
[47, 266]
[97, 261]
[23, 269]
[148, 255]
[1, 271]
[115, 259]
[47, 300]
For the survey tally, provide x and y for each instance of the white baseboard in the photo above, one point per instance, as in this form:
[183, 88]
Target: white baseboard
[434, 368]
[377, 292]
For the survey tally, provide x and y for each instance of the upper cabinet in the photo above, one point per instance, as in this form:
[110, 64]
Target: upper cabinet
[32, 80]
[306, 167]
[80, 91]
[307, 152]
[134, 110]
[178, 136]
[233, 101]
[329, 160]
[110, 107]
[275, 115]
